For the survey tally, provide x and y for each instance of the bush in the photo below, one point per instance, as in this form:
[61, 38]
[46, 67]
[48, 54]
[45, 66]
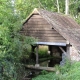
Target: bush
[66, 72]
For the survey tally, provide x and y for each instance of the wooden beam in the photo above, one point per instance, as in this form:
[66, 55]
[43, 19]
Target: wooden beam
[51, 43]
[62, 50]
[40, 68]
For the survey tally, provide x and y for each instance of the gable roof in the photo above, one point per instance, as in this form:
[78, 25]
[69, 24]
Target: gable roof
[63, 24]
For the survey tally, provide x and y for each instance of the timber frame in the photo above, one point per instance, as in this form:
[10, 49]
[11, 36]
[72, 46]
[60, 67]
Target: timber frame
[53, 29]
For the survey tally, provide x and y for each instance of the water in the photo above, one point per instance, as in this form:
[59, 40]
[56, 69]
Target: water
[50, 63]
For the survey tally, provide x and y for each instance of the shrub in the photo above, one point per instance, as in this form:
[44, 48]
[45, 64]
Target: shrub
[70, 71]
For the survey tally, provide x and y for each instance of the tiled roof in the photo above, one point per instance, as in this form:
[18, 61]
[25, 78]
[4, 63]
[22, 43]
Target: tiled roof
[65, 25]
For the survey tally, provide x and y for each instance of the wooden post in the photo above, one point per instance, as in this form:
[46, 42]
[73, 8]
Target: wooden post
[50, 49]
[32, 55]
[68, 49]
[37, 57]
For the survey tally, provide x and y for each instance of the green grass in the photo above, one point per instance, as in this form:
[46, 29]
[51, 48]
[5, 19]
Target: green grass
[66, 72]
[43, 50]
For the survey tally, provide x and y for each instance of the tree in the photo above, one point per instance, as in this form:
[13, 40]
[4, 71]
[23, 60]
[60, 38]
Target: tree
[66, 7]
[58, 5]
[12, 45]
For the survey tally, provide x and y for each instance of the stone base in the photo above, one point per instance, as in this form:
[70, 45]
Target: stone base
[36, 65]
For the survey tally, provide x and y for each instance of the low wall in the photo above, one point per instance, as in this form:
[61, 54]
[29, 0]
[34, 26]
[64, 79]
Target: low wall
[74, 55]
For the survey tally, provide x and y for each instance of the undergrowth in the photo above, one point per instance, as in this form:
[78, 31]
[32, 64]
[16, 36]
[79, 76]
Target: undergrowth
[70, 71]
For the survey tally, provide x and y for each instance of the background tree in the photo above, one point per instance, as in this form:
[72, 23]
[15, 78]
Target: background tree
[12, 45]
[58, 5]
[66, 7]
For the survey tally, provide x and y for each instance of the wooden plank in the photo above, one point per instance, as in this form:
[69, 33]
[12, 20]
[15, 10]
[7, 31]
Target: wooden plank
[37, 22]
[51, 43]
[38, 34]
[42, 33]
[51, 40]
[36, 16]
[36, 19]
[43, 29]
[38, 26]
[41, 68]
[48, 38]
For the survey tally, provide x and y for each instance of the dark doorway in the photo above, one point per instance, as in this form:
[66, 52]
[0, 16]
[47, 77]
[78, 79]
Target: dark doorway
[56, 53]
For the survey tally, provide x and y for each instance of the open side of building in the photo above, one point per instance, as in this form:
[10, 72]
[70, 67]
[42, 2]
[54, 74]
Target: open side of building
[58, 31]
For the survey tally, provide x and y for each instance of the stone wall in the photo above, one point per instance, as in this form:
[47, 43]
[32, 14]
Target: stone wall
[74, 55]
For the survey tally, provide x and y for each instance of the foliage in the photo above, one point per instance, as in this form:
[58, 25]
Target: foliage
[66, 72]
[24, 7]
[43, 50]
[49, 76]
[12, 45]
[43, 72]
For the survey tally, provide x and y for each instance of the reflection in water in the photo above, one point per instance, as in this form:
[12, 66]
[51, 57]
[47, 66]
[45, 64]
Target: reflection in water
[53, 62]
[50, 63]
[44, 64]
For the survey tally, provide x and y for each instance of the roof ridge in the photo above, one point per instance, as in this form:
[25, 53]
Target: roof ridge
[35, 11]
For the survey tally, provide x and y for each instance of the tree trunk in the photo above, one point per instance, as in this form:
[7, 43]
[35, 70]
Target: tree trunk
[66, 7]
[58, 6]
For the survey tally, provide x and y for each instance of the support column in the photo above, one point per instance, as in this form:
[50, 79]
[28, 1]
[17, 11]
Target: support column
[68, 49]
[50, 49]
[32, 55]
[37, 57]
